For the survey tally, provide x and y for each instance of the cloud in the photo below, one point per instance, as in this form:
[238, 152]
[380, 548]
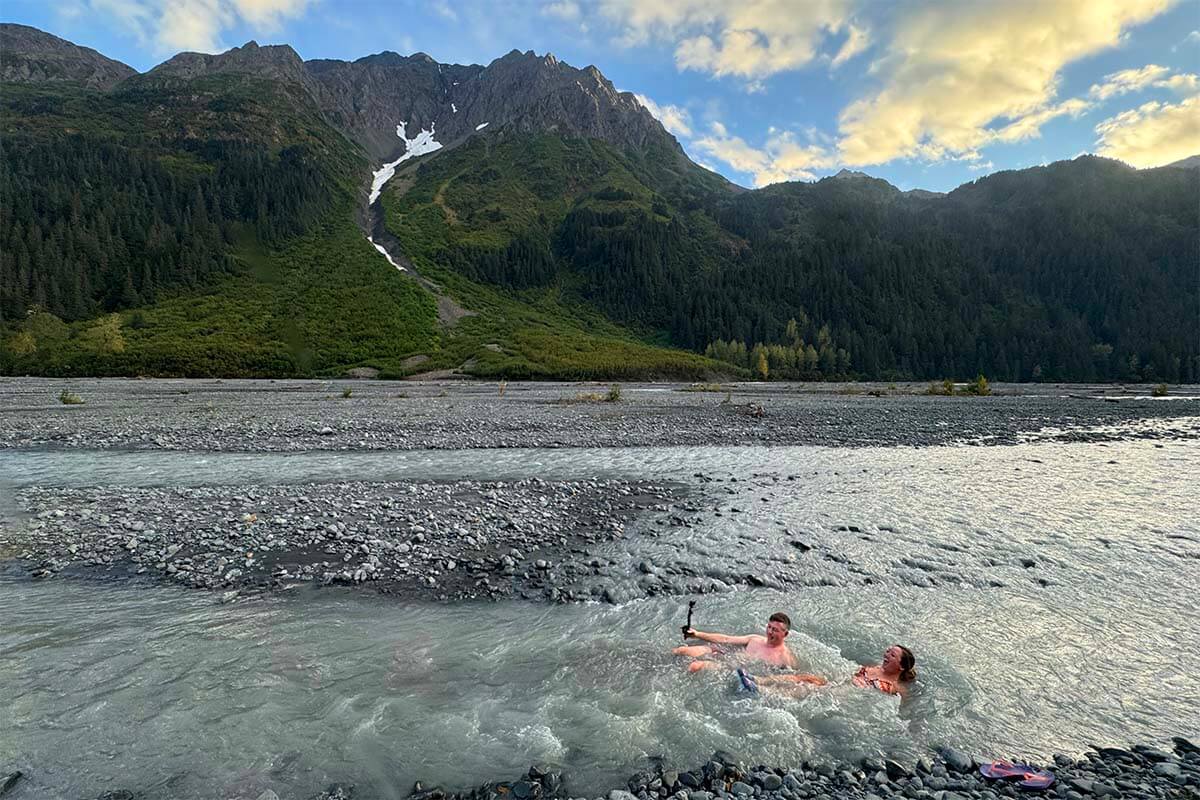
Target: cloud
[960, 75]
[444, 10]
[173, 25]
[753, 39]
[566, 9]
[675, 119]
[1152, 134]
[981, 165]
[856, 42]
[1127, 80]
[1151, 75]
[782, 158]
[1030, 125]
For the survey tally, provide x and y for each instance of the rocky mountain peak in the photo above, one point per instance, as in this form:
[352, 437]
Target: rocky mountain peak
[278, 61]
[28, 55]
[520, 91]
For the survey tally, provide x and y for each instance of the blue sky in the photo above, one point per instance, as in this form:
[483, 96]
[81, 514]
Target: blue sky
[924, 93]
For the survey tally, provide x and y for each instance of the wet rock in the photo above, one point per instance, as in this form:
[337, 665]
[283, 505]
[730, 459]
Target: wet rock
[957, 760]
[8, 781]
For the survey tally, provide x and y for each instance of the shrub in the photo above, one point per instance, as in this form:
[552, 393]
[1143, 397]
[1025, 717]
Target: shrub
[979, 387]
[70, 398]
[614, 393]
[1159, 391]
[347, 392]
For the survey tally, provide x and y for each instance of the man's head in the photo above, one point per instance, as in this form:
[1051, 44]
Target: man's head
[777, 628]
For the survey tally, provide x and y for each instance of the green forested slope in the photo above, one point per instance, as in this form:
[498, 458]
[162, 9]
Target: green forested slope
[1083, 270]
[204, 226]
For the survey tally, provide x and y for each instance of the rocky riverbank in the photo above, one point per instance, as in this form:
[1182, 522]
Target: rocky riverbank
[288, 416]
[444, 541]
[1139, 773]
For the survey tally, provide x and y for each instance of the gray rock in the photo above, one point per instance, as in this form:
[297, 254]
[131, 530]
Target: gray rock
[621, 794]
[700, 795]
[771, 782]
[268, 795]
[1167, 769]
[741, 789]
[9, 781]
[957, 760]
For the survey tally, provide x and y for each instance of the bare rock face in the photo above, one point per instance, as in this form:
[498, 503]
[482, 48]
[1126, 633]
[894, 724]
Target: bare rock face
[524, 92]
[367, 98]
[28, 55]
[279, 62]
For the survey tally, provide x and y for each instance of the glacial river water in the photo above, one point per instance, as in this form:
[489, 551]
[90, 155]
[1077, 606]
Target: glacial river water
[1090, 637]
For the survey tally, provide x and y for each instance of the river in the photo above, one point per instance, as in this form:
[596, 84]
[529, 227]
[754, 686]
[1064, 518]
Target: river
[1059, 613]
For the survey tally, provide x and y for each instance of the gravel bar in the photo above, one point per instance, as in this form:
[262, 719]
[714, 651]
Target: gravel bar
[288, 416]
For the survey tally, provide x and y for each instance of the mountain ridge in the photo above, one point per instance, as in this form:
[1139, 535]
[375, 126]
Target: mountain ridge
[215, 235]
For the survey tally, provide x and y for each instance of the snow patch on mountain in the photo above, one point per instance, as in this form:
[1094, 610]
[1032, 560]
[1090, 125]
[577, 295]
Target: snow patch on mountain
[453, 108]
[420, 145]
[481, 126]
[385, 253]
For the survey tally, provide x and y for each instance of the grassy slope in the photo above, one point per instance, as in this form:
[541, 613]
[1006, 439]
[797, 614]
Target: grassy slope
[486, 193]
[325, 302]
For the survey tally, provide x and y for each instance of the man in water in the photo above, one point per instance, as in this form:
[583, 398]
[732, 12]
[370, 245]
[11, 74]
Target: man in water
[769, 649]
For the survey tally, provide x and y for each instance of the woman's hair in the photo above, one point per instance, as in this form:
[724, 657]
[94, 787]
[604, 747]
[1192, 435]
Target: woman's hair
[908, 664]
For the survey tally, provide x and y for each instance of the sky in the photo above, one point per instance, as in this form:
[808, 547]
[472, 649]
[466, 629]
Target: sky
[926, 94]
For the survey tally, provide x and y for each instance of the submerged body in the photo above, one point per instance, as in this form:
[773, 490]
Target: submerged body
[769, 649]
[893, 675]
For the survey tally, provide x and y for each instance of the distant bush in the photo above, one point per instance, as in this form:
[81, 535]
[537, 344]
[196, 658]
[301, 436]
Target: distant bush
[1159, 391]
[70, 398]
[614, 393]
[703, 387]
[979, 387]
[347, 392]
[945, 388]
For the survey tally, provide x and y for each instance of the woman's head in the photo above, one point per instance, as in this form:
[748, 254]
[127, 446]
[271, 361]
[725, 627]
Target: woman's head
[899, 660]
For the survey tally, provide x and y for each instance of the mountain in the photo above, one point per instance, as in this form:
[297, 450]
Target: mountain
[543, 224]
[28, 55]
[1191, 162]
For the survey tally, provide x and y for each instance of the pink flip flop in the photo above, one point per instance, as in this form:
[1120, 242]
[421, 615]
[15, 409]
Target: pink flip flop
[1027, 777]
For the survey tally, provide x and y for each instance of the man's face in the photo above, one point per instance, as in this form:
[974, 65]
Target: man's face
[776, 632]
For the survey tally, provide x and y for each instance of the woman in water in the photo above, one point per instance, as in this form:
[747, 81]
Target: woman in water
[892, 676]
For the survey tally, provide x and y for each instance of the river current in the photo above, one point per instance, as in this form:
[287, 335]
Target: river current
[1063, 615]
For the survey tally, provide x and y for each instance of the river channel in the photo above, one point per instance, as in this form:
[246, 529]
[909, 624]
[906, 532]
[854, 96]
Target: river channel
[1048, 591]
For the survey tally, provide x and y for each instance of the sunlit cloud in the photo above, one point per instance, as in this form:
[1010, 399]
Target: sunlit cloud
[1151, 75]
[752, 40]
[675, 119]
[1152, 134]
[196, 25]
[857, 41]
[961, 75]
[781, 158]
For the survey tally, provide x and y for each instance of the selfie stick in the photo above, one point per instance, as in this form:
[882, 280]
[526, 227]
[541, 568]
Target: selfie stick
[691, 607]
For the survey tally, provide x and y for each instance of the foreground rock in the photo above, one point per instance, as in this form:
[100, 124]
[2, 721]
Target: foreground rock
[1139, 773]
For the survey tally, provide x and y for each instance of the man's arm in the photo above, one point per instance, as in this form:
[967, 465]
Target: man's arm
[719, 638]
